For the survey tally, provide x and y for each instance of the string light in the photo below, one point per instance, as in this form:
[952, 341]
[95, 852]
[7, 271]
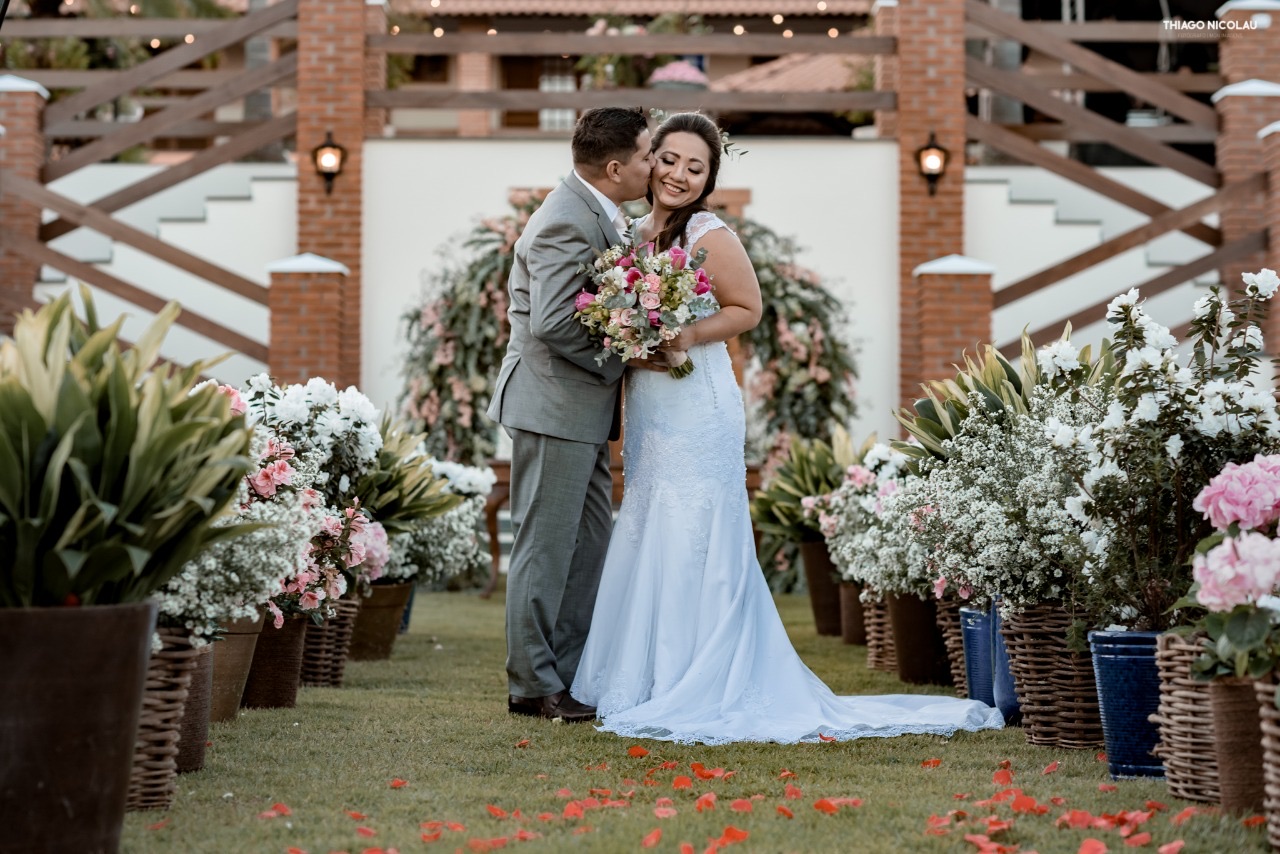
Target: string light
[155, 43]
[438, 32]
[492, 32]
[822, 5]
[786, 34]
[189, 38]
[395, 30]
[738, 29]
[777, 19]
[435, 4]
[133, 10]
[833, 32]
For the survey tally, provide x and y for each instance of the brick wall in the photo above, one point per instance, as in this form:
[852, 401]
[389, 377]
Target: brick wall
[886, 66]
[476, 73]
[306, 320]
[955, 318]
[331, 80]
[21, 154]
[930, 82]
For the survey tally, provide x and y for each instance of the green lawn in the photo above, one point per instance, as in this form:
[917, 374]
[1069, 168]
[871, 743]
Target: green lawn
[435, 717]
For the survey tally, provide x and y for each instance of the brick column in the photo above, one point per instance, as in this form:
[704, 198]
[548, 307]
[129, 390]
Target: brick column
[885, 23]
[1249, 59]
[331, 79]
[22, 155]
[375, 68]
[1270, 137]
[930, 87]
[305, 301]
[476, 73]
[955, 314]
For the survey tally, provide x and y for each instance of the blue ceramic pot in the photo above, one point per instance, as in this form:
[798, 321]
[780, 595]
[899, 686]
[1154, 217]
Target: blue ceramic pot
[1124, 665]
[408, 610]
[975, 628]
[1002, 685]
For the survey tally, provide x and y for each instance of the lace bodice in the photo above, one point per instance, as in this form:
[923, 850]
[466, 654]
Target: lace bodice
[699, 225]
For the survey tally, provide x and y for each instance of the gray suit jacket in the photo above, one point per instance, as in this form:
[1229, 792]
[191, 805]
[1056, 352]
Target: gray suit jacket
[549, 382]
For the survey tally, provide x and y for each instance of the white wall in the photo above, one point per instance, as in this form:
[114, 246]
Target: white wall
[836, 197]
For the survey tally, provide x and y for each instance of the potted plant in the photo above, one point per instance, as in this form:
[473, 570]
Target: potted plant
[782, 512]
[400, 490]
[1169, 428]
[114, 471]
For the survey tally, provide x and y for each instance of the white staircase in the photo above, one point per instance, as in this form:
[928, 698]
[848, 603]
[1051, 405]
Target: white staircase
[241, 216]
[1023, 219]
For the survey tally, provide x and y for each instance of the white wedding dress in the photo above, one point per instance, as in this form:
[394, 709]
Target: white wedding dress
[685, 643]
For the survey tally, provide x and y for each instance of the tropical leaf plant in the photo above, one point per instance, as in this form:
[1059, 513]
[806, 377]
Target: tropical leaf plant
[400, 489]
[113, 466]
[812, 468]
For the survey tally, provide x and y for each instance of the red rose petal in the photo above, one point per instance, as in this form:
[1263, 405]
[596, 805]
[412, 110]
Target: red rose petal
[784, 811]
[741, 805]
[793, 792]
[785, 774]
[682, 782]
[524, 742]
[1051, 767]
[397, 783]
[637, 751]
[366, 832]
[652, 839]
[931, 763]
[1003, 777]
[1171, 847]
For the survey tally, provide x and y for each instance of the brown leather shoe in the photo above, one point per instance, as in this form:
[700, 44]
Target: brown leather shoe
[559, 705]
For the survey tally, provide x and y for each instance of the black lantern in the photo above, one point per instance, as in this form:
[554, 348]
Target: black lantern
[328, 158]
[932, 160]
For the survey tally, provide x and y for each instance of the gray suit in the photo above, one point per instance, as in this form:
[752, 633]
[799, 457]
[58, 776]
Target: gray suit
[560, 409]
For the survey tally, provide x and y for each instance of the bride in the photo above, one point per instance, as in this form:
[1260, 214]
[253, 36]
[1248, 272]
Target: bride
[685, 642]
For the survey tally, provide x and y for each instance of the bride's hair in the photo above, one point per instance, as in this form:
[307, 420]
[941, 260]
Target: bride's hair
[698, 125]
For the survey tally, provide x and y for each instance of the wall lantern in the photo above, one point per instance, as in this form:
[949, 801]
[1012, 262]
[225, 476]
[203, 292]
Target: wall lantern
[328, 158]
[932, 160]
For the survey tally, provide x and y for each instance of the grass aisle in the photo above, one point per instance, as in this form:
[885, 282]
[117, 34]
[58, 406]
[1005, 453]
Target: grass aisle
[435, 717]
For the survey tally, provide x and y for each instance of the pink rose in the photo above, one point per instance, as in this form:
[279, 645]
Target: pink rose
[650, 301]
[633, 276]
[626, 316]
[584, 299]
[655, 318]
[703, 282]
[237, 402]
[653, 282]
[678, 257]
[607, 342]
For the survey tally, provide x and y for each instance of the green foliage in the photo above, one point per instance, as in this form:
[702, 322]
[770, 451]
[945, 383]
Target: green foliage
[1242, 642]
[400, 490]
[112, 469]
[811, 469]
[631, 71]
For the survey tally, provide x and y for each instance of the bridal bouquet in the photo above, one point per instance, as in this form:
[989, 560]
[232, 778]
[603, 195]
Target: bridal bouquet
[642, 299]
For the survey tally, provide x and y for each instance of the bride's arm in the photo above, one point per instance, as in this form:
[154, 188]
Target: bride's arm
[735, 287]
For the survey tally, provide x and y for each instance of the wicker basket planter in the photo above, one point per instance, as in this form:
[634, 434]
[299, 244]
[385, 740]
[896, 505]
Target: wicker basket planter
[1269, 717]
[1185, 719]
[880, 650]
[324, 656]
[1056, 690]
[164, 699]
[951, 625]
[1237, 740]
[277, 666]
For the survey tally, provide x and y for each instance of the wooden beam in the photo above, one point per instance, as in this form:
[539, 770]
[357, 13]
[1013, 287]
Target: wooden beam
[236, 147]
[1021, 87]
[98, 221]
[1083, 59]
[130, 27]
[198, 323]
[1111, 31]
[1234, 251]
[194, 129]
[1131, 239]
[154, 125]
[63, 79]
[529, 99]
[1203, 83]
[578, 44]
[1073, 170]
[1182, 134]
[229, 33]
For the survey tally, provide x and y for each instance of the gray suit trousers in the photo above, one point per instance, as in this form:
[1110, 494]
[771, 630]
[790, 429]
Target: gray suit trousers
[562, 516]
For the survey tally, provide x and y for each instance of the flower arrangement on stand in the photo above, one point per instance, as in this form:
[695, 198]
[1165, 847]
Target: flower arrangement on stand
[611, 70]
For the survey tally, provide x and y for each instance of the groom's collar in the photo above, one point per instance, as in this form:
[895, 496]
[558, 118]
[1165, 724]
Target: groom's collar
[607, 205]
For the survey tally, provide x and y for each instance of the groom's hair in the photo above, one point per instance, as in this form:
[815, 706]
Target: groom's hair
[607, 133]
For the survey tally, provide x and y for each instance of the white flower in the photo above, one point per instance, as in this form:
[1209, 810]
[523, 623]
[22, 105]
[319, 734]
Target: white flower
[1174, 446]
[1250, 338]
[321, 391]
[1128, 299]
[1115, 416]
[1263, 283]
[1155, 335]
[1204, 306]
[1143, 357]
[260, 384]
[354, 405]
[1148, 409]
[1060, 356]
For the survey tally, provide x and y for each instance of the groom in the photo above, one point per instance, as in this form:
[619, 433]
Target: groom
[560, 409]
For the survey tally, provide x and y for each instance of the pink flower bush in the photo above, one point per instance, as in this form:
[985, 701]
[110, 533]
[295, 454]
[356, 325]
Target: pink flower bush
[1247, 495]
[1237, 571]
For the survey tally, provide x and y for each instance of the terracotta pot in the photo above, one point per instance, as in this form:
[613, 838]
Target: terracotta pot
[853, 629]
[824, 590]
[232, 657]
[378, 622]
[1237, 742]
[917, 641]
[193, 733]
[71, 682]
[277, 664]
